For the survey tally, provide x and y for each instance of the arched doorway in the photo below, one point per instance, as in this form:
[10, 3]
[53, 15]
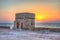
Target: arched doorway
[21, 25]
[17, 25]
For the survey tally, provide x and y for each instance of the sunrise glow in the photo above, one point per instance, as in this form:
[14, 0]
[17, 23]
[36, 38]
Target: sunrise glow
[40, 17]
[44, 11]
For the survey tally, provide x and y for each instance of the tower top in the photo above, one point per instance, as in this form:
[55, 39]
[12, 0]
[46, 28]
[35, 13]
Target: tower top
[25, 15]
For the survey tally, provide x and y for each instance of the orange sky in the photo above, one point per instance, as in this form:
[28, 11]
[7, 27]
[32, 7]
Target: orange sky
[43, 12]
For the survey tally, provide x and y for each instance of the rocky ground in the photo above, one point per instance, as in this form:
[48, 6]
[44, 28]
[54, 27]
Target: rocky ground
[7, 34]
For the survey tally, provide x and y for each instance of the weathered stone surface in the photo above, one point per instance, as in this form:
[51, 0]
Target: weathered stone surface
[25, 15]
[24, 21]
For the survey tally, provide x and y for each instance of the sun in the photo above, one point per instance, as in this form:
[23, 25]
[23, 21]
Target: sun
[40, 17]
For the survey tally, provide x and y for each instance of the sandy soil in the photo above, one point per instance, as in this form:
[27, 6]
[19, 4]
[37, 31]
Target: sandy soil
[7, 34]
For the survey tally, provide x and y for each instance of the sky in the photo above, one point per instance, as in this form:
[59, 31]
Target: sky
[45, 10]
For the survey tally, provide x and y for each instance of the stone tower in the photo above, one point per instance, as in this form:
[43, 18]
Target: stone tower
[24, 21]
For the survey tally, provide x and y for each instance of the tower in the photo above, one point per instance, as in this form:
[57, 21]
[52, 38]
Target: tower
[24, 21]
